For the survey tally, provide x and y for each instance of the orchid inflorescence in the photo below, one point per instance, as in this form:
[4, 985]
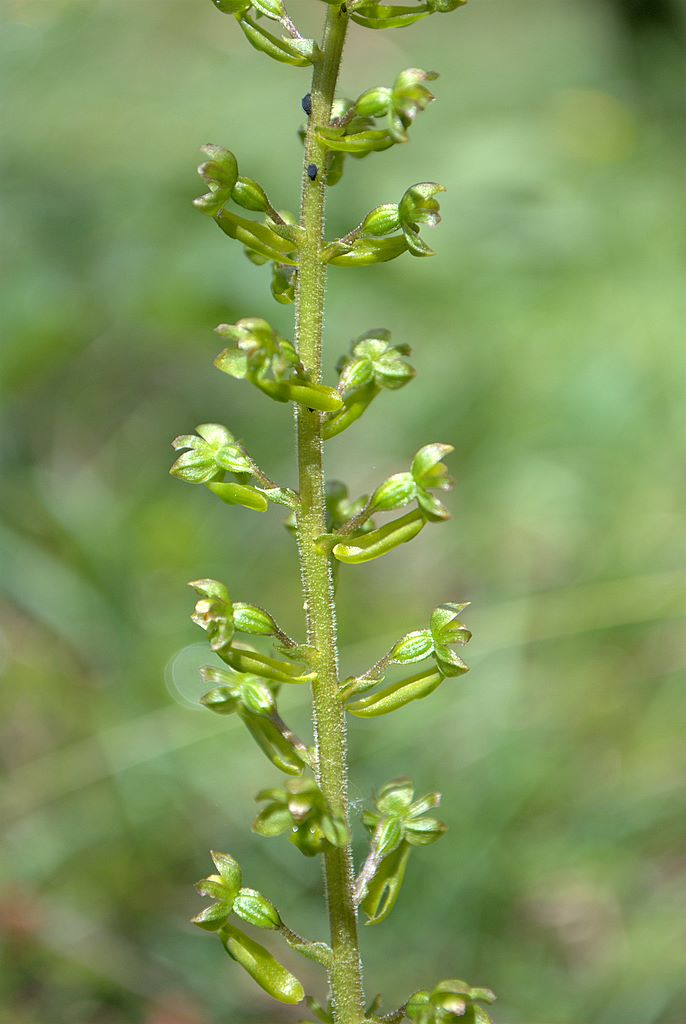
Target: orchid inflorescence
[331, 527]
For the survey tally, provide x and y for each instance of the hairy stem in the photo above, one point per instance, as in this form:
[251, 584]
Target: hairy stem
[345, 974]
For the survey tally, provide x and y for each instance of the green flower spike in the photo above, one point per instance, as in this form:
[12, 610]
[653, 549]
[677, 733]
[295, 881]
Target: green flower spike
[329, 523]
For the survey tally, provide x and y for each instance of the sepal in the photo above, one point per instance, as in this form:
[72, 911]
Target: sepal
[211, 918]
[222, 888]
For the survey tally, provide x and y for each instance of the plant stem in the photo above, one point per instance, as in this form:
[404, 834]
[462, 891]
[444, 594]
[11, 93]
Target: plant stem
[345, 975]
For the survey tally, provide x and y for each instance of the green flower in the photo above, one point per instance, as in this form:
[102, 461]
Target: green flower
[427, 473]
[451, 1002]
[302, 811]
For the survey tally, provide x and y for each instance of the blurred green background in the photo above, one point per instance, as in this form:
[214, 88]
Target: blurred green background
[546, 334]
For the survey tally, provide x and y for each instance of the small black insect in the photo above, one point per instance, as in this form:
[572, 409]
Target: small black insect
[306, 103]
[344, 8]
[312, 171]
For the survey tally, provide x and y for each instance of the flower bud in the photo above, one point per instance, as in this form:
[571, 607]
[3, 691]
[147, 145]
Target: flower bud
[424, 831]
[211, 918]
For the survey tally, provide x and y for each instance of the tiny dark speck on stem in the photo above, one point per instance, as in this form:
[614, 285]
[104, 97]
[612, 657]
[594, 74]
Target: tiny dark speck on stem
[312, 171]
[306, 103]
